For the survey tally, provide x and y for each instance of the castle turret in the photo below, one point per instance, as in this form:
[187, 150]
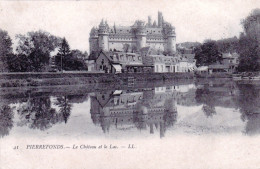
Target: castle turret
[160, 19]
[93, 40]
[171, 38]
[154, 24]
[149, 21]
[103, 33]
[140, 29]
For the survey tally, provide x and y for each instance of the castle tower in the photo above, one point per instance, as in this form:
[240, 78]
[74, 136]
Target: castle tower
[149, 21]
[103, 33]
[93, 40]
[171, 38]
[140, 34]
[160, 19]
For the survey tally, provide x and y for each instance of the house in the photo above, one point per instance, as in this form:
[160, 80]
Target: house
[216, 68]
[161, 63]
[105, 63]
[231, 59]
[229, 64]
[202, 70]
[120, 62]
[187, 63]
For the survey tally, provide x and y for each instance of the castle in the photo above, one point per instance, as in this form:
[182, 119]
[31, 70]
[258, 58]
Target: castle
[160, 36]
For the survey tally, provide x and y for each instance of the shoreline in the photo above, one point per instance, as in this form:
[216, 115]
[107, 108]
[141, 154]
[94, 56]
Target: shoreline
[83, 78]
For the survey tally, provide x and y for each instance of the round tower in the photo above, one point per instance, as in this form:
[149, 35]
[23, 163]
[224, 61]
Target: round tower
[140, 34]
[93, 40]
[103, 33]
[171, 39]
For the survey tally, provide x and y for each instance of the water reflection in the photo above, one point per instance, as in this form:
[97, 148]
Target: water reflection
[38, 113]
[141, 108]
[6, 120]
[157, 109]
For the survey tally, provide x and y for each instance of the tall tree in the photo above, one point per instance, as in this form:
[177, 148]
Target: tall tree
[251, 25]
[5, 49]
[64, 52]
[249, 51]
[70, 60]
[36, 48]
[249, 43]
[207, 53]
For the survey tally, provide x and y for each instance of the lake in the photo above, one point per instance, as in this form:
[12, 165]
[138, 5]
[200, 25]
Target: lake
[214, 122]
[194, 108]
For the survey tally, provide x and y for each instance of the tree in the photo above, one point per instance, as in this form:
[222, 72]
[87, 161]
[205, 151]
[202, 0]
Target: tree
[249, 43]
[70, 60]
[251, 25]
[249, 51]
[5, 49]
[35, 48]
[64, 51]
[207, 53]
[228, 45]
[80, 55]
[18, 63]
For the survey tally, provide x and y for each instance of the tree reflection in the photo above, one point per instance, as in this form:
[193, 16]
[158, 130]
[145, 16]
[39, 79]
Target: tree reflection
[209, 111]
[248, 101]
[65, 107]
[37, 113]
[6, 120]
[203, 96]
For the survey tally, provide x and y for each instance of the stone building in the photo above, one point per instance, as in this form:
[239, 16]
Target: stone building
[161, 36]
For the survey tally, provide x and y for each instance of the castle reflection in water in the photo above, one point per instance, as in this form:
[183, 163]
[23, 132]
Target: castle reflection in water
[146, 108]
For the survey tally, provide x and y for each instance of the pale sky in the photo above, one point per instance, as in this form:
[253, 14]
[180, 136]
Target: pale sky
[195, 20]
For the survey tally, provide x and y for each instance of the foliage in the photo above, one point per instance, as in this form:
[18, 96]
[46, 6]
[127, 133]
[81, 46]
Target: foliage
[18, 63]
[6, 120]
[37, 113]
[5, 49]
[228, 45]
[207, 53]
[204, 96]
[65, 107]
[37, 41]
[249, 50]
[70, 60]
[251, 24]
[33, 52]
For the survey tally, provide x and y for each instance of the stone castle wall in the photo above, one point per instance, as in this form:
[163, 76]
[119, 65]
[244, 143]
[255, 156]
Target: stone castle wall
[161, 37]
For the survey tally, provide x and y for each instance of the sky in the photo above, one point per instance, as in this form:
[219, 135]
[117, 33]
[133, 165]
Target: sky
[194, 20]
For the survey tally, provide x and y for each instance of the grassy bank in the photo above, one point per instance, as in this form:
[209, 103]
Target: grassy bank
[50, 79]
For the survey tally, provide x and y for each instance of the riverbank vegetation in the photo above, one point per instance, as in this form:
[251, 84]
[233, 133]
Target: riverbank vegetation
[34, 53]
[247, 46]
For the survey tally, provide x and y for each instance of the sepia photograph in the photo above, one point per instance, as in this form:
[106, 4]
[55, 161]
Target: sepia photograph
[130, 84]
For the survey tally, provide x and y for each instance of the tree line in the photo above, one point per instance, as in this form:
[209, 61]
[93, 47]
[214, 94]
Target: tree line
[247, 46]
[34, 53]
